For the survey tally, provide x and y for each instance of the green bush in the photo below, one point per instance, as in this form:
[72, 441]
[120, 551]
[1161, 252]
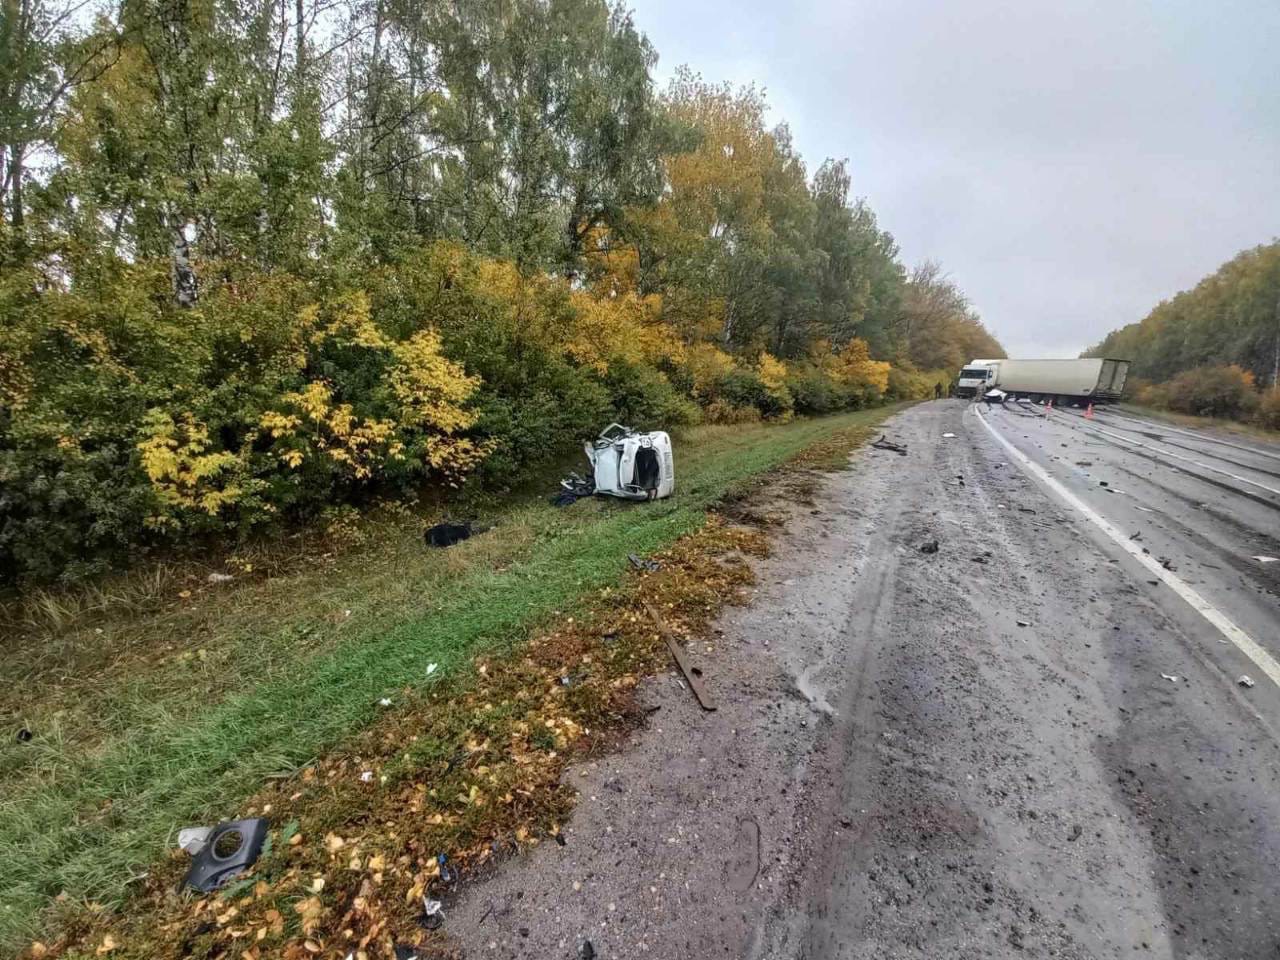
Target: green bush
[644, 398]
[1225, 392]
[814, 393]
[1269, 409]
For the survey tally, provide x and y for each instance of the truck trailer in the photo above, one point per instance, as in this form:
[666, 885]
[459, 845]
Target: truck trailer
[1087, 380]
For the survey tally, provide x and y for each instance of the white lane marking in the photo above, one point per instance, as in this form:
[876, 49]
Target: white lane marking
[1153, 426]
[1245, 643]
[1198, 463]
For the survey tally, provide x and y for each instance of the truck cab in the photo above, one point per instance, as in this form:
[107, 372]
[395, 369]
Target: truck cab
[975, 379]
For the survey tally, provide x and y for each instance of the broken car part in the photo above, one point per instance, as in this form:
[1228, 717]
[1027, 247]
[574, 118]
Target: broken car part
[885, 444]
[231, 848]
[447, 534]
[691, 673]
[193, 839]
[652, 566]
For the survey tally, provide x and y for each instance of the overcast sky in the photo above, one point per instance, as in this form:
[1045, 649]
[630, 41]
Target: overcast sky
[1070, 163]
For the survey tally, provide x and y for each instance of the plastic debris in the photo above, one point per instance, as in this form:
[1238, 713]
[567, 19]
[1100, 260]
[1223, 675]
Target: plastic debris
[641, 563]
[948, 436]
[447, 534]
[446, 875]
[231, 848]
[193, 839]
[384, 702]
[1245, 680]
[1170, 677]
[366, 777]
[432, 913]
[404, 952]
[1024, 623]
[431, 668]
[1266, 559]
[220, 578]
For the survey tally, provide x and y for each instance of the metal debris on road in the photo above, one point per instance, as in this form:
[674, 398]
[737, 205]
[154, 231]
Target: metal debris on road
[930, 546]
[586, 951]
[691, 673]
[886, 444]
[1266, 559]
[1024, 623]
[1245, 680]
[1170, 677]
[948, 436]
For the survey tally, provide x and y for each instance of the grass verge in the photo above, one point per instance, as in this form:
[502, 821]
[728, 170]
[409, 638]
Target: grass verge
[83, 824]
[1245, 430]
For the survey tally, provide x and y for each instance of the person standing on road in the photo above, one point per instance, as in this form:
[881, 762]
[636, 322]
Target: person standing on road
[937, 391]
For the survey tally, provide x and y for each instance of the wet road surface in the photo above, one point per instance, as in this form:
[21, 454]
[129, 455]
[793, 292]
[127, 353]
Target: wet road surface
[1015, 746]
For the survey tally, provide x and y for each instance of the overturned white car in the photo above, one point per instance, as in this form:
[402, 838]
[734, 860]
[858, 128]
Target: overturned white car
[632, 465]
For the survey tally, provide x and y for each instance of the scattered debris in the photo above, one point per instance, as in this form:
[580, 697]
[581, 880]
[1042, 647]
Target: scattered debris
[1075, 833]
[1266, 559]
[1245, 680]
[366, 777]
[25, 735]
[885, 444]
[230, 848]
[572, 489]
[652, 566]
[1166, 563]
[948, 436]
[447, 534]
[1136, 536]
[446, 874]
[1170, 677]
[384, 702]
[1144, 509]
[220, 578]
[193, 839]
[431, 668]
[691, 673]
[1024, 623]
[1084, 463]
[1102, 483]
[984, 557]
[432, 913]
[929, 547]
[404, 952]
[560, 841]
[1026, 510]
[586, 951]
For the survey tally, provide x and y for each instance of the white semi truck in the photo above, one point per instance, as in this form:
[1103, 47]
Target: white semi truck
[1087, 380]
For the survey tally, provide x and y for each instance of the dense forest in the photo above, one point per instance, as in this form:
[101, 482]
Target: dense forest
[264, 258]
[1212, 350]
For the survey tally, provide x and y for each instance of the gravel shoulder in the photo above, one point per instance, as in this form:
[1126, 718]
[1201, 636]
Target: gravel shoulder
[922, 754]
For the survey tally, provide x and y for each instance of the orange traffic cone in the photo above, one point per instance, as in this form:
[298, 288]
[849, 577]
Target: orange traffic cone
[1088, 412]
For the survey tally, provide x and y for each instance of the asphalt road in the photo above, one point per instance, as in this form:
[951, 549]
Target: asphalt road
[1024, 744]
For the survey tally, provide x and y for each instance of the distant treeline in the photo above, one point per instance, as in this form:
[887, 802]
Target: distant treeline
[1213, 350]
[260, 260]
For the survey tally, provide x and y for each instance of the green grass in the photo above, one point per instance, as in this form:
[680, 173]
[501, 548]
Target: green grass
[139, 733]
